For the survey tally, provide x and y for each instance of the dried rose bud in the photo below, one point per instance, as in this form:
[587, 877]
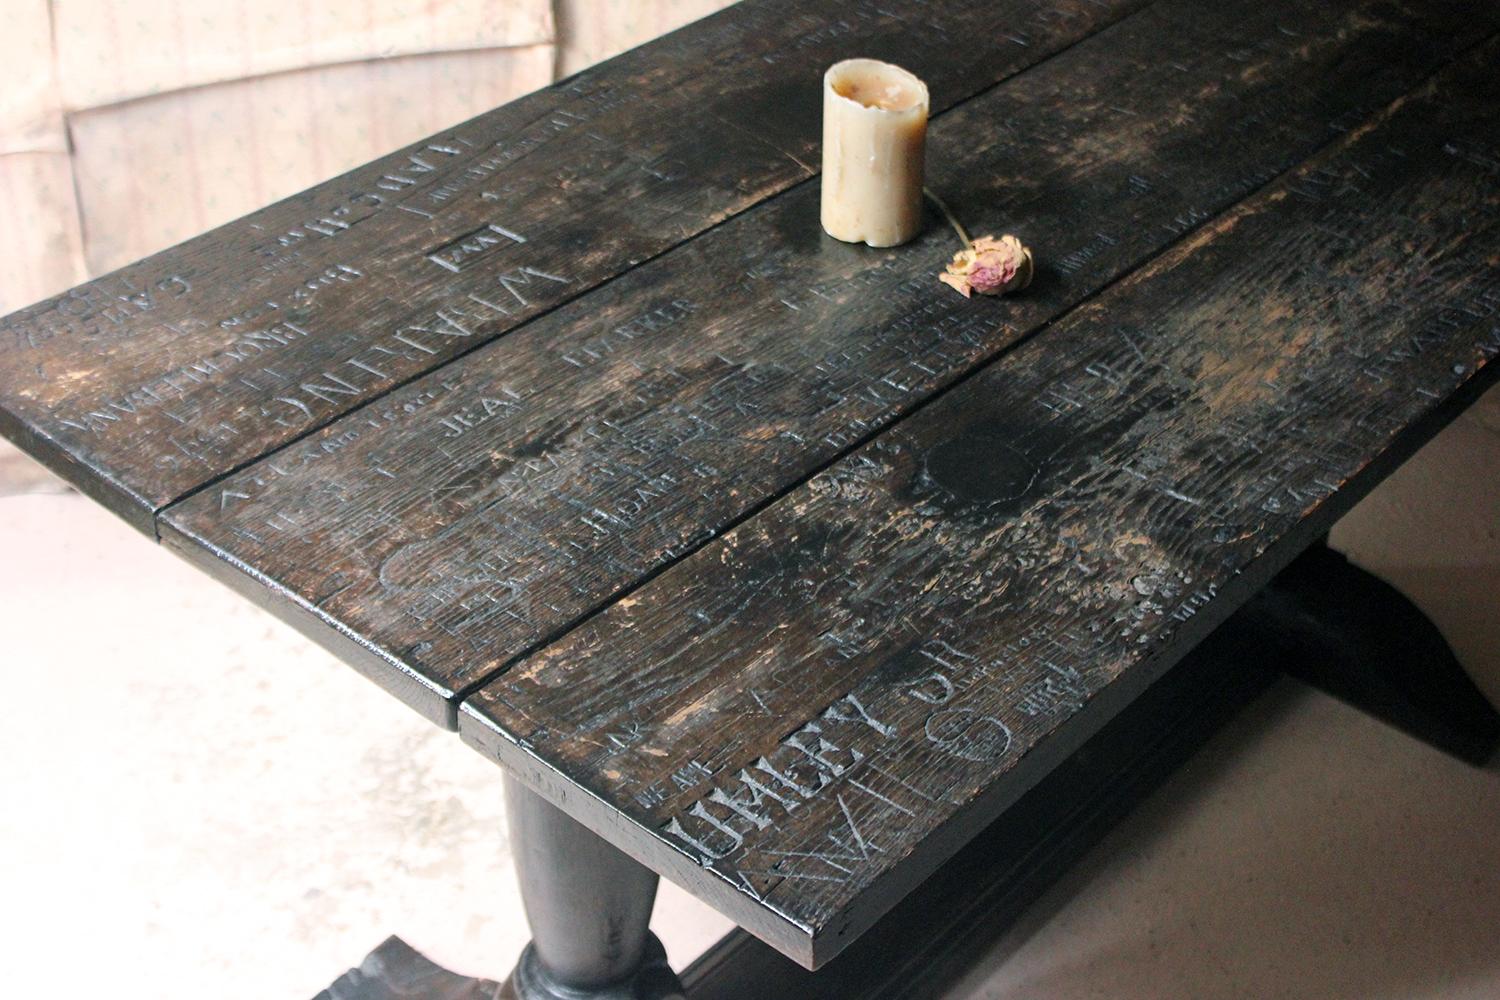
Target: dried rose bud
[990, 267]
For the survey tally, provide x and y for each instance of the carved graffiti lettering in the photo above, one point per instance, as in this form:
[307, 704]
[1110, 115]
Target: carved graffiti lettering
[802, 765]
[177, 383]
[965, 733]
[618, 337]
[502, 402]
[459, 253]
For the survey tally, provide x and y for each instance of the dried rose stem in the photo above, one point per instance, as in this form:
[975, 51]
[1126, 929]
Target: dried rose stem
[958, 227]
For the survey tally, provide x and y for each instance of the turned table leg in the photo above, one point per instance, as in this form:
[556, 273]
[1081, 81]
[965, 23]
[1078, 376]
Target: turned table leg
[588, 906]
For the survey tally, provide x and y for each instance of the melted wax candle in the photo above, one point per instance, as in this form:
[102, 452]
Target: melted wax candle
[874, 139]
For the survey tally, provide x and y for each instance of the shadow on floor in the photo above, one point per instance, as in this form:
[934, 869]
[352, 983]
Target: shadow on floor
[1308, 852]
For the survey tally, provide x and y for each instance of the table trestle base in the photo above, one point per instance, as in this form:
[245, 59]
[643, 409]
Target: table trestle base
[1354, 636]
[589, 907]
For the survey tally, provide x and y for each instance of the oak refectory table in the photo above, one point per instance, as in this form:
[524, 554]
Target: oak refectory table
[768, 563]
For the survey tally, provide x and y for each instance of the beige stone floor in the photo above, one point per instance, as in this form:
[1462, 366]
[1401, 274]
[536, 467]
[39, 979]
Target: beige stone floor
[1307, 852]
[199, 803]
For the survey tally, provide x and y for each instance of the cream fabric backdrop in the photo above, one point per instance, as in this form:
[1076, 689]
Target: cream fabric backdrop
[129, 125]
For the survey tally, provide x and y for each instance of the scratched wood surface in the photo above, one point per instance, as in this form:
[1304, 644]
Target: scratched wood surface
[769, 557]
[150, 382]
[804, 717]
[437, 535]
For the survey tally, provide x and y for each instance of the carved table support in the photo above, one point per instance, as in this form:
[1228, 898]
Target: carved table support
[588, 906]
[1343, 630]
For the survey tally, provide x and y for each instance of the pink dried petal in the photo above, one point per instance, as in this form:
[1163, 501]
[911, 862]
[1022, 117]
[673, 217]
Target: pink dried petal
[993, 271]
[990, 266]
[956, 281]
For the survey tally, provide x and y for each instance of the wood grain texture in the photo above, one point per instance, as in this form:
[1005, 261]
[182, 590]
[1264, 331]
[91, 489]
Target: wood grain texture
[464, 519]
[933, 937]
[149, 382]
[804, 718]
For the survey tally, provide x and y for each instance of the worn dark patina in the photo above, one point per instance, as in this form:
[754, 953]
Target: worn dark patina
[1198, 424]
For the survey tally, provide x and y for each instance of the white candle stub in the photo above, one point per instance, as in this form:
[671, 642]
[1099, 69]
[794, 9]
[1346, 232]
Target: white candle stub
[874, 138]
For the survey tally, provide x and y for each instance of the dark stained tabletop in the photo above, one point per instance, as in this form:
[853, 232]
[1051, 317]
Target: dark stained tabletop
[146, 384]
[770, 557]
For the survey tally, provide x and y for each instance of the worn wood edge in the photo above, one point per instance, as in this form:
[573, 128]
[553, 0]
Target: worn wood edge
[432, 701]
[781, 931]
[136, 507]
[103, 489]
[978, 896]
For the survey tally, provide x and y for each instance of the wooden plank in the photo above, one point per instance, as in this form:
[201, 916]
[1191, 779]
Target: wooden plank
[479, 511]
[929, 940]
[162, 376]
[806, 717]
